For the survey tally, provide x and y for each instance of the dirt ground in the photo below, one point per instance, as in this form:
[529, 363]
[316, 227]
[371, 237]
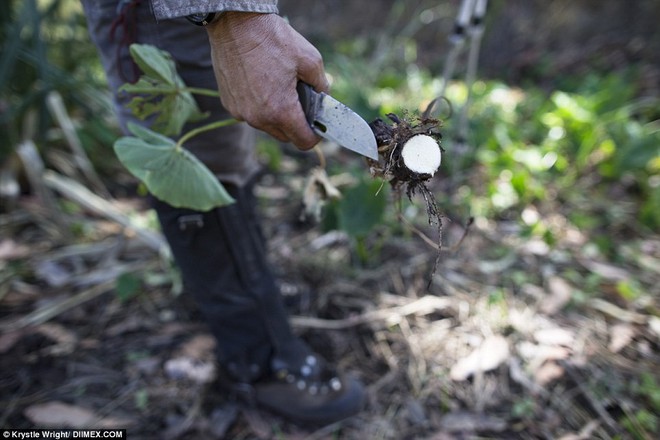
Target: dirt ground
[94, 329]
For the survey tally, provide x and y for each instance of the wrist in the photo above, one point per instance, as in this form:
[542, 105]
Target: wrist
[233, 25]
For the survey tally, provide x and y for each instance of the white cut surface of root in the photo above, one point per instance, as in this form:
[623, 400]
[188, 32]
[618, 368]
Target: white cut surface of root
[422, 154]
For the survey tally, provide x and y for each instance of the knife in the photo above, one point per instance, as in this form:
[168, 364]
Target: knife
[336, 122]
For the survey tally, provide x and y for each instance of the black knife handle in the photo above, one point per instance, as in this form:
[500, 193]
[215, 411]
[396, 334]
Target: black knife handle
[309, 100]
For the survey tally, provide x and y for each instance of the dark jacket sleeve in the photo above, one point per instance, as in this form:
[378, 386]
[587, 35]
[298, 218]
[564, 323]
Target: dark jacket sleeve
[164, 9]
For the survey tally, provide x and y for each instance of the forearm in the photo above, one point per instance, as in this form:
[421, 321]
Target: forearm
[164, 9]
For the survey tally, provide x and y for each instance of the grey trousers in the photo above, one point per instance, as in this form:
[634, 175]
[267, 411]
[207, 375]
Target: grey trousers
[112, 24]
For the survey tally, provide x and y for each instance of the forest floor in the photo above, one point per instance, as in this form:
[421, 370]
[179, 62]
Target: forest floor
[496, 343]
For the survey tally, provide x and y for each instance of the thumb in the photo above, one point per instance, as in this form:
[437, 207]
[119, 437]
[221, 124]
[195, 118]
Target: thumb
[319, 82]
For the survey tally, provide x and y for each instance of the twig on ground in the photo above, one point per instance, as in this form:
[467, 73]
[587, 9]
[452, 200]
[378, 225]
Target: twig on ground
[617, 312]
[518, 375]
[49, 311]
[594, 401]
[57, 109]
[34, 169]
[181, 428]
[84, 197]
[423, 306]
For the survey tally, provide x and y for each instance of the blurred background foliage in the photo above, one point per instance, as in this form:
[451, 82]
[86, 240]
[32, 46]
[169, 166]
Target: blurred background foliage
[564, 118]
[46, 48]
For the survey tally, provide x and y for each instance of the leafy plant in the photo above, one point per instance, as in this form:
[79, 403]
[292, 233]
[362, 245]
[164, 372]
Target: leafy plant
[160, 94]
[169, 171]
[360, 209]
[166, 168]
[641, 424]
[532, 148]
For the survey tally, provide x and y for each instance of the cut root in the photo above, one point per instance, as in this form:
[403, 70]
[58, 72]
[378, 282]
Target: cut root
[410, 155]
[421, 154]
[410, 152]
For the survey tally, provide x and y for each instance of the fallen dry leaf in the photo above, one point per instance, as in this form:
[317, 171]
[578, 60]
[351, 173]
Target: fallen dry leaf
[65, 339]
[318, 190]
[493, 351]
[10, 250]
[555, 336]
[57, 414]
[654, 325]
[186, 368]
[538, 355]
[548, 372]
[464, 421]
[620, 336]
[585, 433]
[560, 292]
[199, 347]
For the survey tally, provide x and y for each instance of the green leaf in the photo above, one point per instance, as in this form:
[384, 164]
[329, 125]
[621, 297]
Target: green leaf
[171, 173]
[361, 208]
[160, 93]
[127, 286]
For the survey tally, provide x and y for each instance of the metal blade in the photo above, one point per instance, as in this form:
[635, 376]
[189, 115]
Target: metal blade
[338, 123]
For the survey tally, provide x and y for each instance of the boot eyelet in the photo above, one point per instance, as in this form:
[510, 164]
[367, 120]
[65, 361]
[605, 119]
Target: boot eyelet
[301, 385]
[305, 370]
[290, 378]
[313, 390]
[335, 384]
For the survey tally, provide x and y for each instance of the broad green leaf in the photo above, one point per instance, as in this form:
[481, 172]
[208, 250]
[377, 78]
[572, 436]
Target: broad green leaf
[361, 208]
[160, 93]
[155, 63]
[171, 173]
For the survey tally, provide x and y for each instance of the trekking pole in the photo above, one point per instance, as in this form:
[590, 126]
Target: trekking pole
[457, 41]
[475, 33]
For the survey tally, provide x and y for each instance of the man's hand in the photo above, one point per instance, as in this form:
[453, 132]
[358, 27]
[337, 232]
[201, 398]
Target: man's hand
[258, 60]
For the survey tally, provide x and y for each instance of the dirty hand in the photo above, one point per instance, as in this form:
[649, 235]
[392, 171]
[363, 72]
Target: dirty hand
[258, 60]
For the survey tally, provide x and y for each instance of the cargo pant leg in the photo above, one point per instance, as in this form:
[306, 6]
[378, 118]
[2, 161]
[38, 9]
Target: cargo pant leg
[216, 252]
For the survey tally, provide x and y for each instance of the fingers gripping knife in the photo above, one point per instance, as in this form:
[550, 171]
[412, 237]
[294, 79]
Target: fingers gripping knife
[336, 122]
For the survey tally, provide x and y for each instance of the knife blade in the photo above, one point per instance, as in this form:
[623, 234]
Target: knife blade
[336, 122]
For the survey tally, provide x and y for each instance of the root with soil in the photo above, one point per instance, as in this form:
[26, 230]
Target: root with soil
[410, 154]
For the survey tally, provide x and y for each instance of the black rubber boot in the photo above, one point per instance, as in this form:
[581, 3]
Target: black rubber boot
[222, 259]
